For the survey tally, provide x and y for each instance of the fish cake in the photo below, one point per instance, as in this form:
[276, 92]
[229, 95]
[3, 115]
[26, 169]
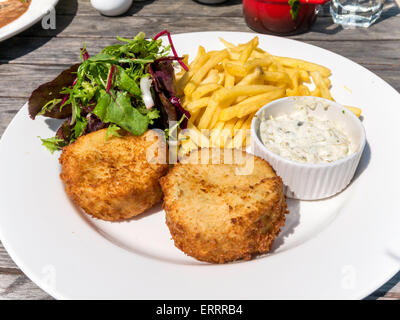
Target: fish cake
[218, 212]
[114, 179]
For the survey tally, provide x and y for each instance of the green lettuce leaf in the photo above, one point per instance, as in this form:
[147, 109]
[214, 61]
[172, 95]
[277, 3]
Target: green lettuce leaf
[53, 144]
[117, 109]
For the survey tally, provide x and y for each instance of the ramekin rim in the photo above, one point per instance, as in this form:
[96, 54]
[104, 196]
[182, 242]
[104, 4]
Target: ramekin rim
[335, 163]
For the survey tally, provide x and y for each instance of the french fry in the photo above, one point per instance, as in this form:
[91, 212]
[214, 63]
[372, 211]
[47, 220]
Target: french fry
[327, 82]
[200, 52]
[224, 95]
[259, 54]
[276, 66]
[224, 89]
[235, 69]
[316, 92]
[195, 115]
[320, 83]
[216, 134]
[204, 90]
[234, 56]
[212, 77]
[256, 77]
[356, 111]
[305, 65]
[200, 59]
[214, 118]
[197, 104]
[199, 116]
[253, 63]
[203, 70]
[304, 76]
[259, 50]
[229, 80]
[199, 138]
[227, 132]
[277, 77]
[250, 105]
[209, 112]
[221, 76]
[236, 48]
[292, 92]
[220, 67]
[248, 49]
[242, 134]
[294, 77]
[186, 147]
[238, 125]
[304, 91]
[227, 44]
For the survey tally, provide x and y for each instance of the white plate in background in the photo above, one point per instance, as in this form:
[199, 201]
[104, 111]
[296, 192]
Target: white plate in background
[344, 247]
[36, 11]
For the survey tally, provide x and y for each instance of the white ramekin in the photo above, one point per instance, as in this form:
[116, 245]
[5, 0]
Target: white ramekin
[307, 181]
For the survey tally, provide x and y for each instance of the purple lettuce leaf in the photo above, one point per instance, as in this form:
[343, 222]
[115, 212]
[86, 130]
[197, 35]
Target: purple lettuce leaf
[163, 75]
[51, 90]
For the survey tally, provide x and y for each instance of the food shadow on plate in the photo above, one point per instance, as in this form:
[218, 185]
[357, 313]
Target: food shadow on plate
[362, 166]
[115, 241]
[364, 162]
[292, 221]
[394, 256]
[153, 210]
[53, 124]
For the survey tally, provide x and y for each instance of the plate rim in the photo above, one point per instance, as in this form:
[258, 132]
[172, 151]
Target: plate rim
[13, 32]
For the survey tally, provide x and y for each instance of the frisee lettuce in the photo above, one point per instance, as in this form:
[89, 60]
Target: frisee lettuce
[49, 106]
[113, 131]
[53, 144]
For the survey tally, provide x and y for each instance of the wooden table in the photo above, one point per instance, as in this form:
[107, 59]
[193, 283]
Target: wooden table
[37, 55]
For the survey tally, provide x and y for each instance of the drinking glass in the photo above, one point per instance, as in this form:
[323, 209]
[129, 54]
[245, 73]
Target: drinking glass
[356, 13]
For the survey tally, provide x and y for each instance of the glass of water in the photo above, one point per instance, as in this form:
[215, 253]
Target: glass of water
[356, 13]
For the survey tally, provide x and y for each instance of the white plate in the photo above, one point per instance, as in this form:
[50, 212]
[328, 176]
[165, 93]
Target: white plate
[342, 248]
[37, 10]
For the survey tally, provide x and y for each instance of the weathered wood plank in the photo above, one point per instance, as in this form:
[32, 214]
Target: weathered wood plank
[67, 50]
[8, 108]
[25, 78]
[18, 286]
[183, 8]
[125, 26]
[6, 263]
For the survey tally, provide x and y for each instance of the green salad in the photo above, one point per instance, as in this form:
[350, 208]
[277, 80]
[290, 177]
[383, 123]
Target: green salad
[127, 86]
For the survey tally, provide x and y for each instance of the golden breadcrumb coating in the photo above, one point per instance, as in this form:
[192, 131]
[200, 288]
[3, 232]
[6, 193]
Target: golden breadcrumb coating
[223, 212]
[114, 179]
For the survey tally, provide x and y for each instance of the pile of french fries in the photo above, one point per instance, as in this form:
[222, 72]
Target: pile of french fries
[224, 89]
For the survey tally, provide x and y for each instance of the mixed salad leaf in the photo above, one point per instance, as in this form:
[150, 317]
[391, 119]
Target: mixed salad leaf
[104, 91]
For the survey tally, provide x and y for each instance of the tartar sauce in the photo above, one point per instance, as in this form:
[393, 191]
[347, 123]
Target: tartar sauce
[304, 138]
